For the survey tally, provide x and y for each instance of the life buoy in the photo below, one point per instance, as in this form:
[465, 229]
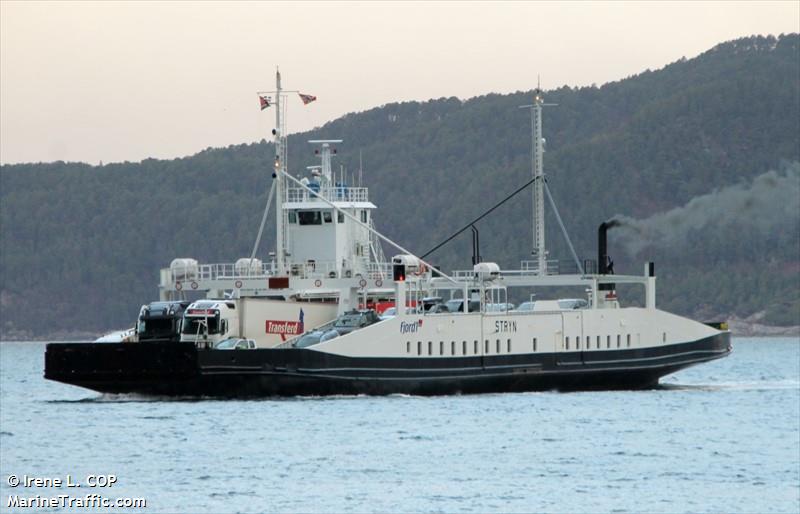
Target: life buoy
[238, 284]
[194, 285]
[378, 283]
[178, 286]
[318, 283]
[362, 283]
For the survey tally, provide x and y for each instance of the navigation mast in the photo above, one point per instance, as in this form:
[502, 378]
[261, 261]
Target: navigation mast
[280, 169]
[281, 165]
[539, 251]
[537, 165]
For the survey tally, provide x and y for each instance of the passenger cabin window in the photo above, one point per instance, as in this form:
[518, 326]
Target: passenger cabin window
[340, 216]
[430, 348]
[618, 338]
[598, 342]
[629, 340]
[486, 345]
[309, 217]
[534, 344]
[464, 348]
[588, 343]
[567, 342]
[498, 346]
[363, 216]
[608, 341]
[408, 346]
[292, 217]
[664, 337]
[419, 347]
[441, 347]
[508, 346]
[453, 348]
[476, 348]
[327, 216]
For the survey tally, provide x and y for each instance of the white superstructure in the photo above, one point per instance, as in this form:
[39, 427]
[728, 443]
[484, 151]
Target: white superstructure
[324, 254]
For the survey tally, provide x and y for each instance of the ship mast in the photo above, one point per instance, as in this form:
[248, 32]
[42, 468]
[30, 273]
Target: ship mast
[537, 166]
[280, 169]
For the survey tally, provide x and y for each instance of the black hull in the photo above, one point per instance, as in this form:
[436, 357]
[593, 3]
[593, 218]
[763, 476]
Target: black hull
[179, 369]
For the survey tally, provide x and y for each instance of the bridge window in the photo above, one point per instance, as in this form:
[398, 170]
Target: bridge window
[309, 217]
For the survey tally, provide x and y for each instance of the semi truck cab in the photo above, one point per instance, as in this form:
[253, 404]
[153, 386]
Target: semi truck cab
[207, 322]
[160, 321]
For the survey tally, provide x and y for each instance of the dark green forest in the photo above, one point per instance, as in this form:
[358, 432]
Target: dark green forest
[715, 140]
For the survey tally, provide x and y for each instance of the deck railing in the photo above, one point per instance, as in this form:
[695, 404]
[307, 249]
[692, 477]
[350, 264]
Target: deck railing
[332, 194]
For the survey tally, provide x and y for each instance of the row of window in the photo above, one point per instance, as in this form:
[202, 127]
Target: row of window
[464, 347]
[320, 217]
[588, 344]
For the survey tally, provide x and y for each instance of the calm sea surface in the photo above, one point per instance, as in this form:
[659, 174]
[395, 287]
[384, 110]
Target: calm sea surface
[720, 437]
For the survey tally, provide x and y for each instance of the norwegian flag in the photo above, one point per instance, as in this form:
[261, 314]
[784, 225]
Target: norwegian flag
[307, 99]
[264, 102]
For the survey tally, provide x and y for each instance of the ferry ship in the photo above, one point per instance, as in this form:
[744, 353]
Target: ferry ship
[479, 344]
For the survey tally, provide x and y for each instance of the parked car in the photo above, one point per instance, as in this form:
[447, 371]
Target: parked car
[235, 343]
[525, 306]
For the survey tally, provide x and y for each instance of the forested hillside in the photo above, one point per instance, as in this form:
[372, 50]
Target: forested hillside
[701, 156]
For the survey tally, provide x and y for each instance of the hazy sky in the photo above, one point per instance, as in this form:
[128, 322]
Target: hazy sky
[115, 81]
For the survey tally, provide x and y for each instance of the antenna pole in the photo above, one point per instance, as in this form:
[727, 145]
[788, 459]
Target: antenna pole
[280, 169]
[537, 165]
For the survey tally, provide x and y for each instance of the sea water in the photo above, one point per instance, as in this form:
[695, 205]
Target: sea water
[719, 437]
